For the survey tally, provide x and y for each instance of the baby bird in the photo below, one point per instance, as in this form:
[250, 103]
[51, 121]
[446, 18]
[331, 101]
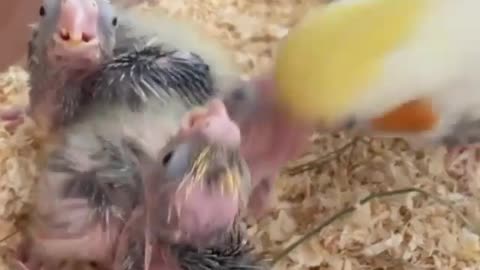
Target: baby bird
[197, 187]
[87, 168]
[71, 38]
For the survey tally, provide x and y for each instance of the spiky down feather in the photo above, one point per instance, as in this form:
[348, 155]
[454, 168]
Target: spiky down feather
[135, 77]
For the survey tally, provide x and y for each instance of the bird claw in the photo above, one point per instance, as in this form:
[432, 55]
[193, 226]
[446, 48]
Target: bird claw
[12, 118]
[463, 160]
[18, 265]
[20, 258]
[259, 202]
[148, 253]
[148, 245]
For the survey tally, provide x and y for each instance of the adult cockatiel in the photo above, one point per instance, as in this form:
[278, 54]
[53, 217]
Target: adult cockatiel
[403, 68]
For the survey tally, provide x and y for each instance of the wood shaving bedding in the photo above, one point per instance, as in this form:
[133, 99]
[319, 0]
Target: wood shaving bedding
[409, 231]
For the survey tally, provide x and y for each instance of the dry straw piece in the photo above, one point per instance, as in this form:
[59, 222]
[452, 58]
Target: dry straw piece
[437, 228]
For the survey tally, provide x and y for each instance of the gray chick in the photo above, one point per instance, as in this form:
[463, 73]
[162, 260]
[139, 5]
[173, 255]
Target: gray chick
[91, 185]
[153, 91]
[198, 188]
[134, 36]
[72, 39]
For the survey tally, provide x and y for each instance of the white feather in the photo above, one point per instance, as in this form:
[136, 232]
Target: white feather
[440, 61]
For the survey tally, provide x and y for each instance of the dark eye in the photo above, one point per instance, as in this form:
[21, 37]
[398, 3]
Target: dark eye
[166, 159]
[239, 94]
[114, 21]
[42, 11]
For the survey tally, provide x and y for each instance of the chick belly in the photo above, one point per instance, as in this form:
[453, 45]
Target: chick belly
[134, 251]
[133, 255]
[73, 232]
[93, 245]
[202, 211]
[69, 228]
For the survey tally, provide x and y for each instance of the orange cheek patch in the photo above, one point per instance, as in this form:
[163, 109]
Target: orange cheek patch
[414, 116]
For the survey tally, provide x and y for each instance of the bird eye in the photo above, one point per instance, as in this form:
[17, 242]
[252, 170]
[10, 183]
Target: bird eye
[177, 162]
[42, 11]
[239, 94]
[166, 159]
[114, 21]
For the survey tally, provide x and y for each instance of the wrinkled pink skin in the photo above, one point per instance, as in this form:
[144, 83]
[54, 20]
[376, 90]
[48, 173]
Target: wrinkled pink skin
[90, 243]
[48, 246]
[194, 216]
[79, 238]
[213, 123]
[157, 255]
[78, 20]
[162, 259]
[197, 215]
[198, 211]
[95, 245]
[12, 118]
[201, 212]
[270, 139]
[205, 211]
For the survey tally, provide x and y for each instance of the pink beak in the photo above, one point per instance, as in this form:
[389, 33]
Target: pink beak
[76, 42]
[214, 123]
[77, 25]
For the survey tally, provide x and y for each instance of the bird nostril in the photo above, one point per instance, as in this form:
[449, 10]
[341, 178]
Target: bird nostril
[64, 35]
[86, 37]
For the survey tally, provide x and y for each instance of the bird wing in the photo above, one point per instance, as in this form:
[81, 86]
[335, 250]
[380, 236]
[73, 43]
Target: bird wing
[135, 77]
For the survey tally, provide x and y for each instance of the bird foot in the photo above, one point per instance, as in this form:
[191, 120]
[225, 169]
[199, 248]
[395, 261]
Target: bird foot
[23, 259]
[12, 118]
[18, 265]
[260, 200]
[463, 160]
[29, 263]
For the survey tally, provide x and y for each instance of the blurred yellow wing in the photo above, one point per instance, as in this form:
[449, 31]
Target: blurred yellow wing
[335, 52]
